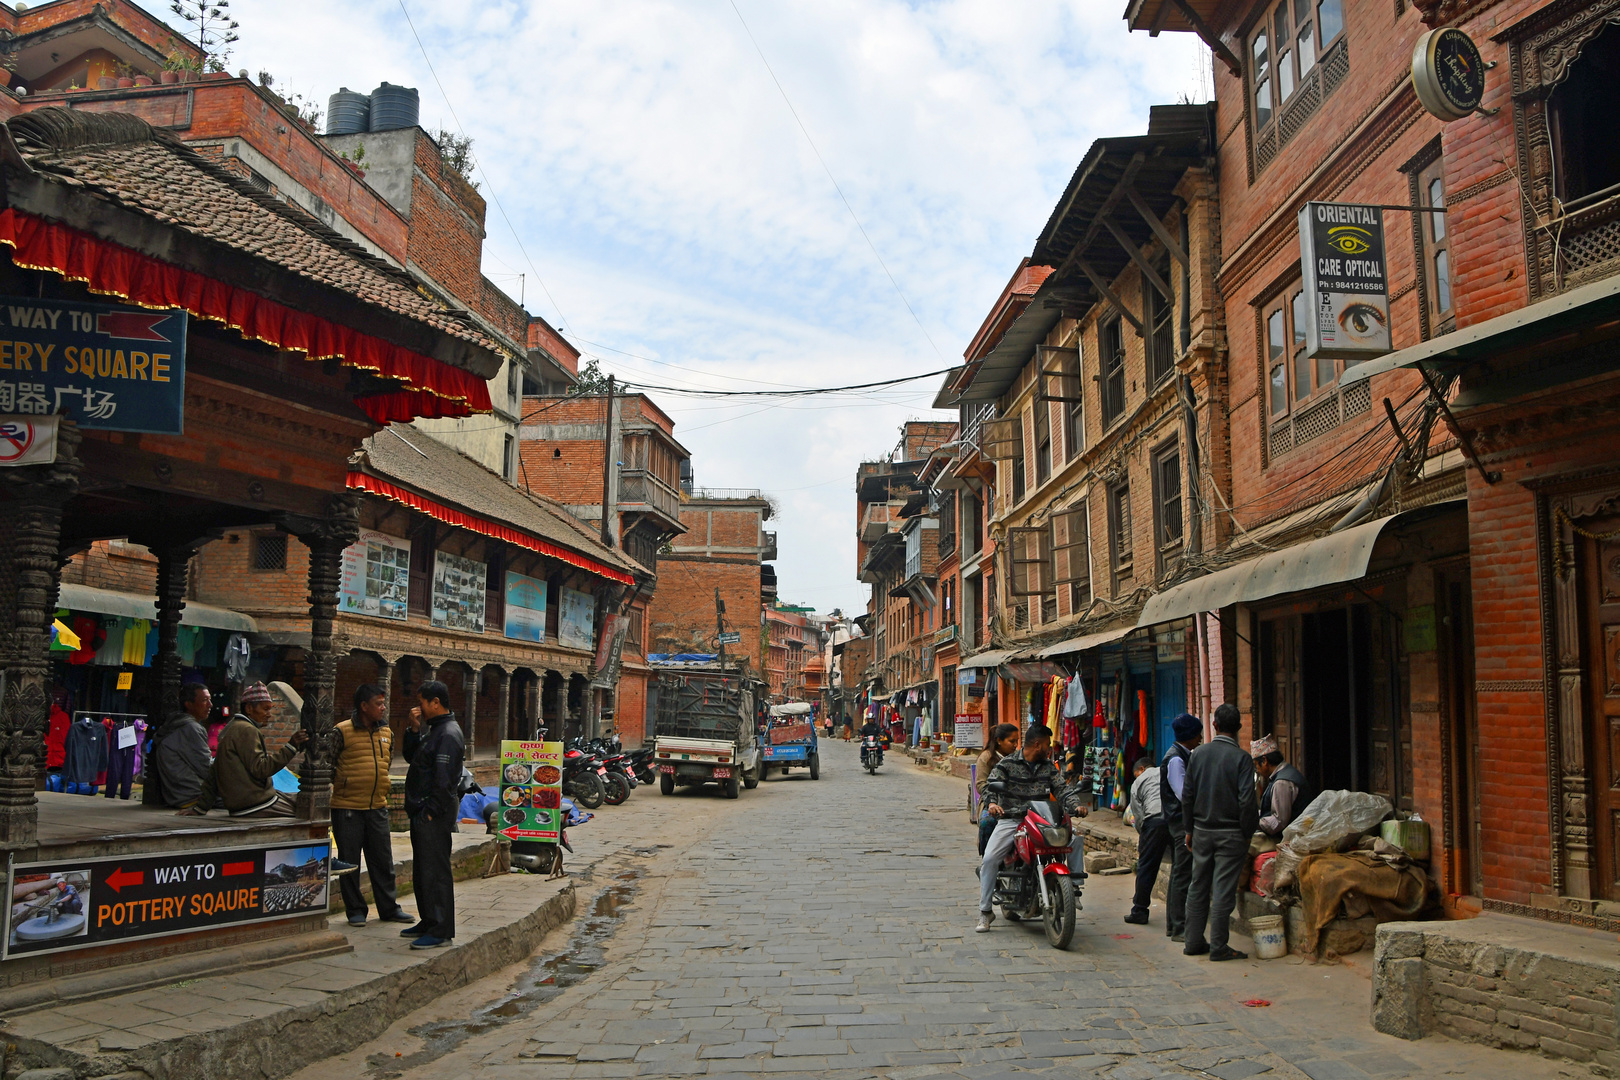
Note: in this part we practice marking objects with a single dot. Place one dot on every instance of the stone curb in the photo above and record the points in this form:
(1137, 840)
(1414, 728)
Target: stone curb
(281, 1044)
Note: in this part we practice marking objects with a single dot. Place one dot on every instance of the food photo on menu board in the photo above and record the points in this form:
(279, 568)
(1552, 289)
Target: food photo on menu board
(531, 790)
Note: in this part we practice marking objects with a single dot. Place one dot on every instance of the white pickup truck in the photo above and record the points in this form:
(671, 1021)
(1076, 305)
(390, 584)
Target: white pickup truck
(705, 731)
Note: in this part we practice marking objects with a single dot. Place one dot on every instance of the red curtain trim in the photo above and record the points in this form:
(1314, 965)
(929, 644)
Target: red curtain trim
(462, 519)
(433, 388)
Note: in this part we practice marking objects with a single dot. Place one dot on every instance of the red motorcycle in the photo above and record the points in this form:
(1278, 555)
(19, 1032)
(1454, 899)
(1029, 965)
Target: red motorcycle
(1034, 879)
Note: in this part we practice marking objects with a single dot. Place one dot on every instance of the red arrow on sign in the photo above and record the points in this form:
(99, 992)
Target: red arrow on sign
(130, 325)
(119, 878)
(237, 869)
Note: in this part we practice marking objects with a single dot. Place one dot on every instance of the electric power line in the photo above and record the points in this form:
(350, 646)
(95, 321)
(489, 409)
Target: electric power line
(807, 392)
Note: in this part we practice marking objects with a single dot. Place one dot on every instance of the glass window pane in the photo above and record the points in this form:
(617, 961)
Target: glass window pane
(1282, 22)
(1262, 103)
(1302, 375)
(1330, 17)
(1437, 197)
(1324, 371)
(1279, 390)
(1442, 281)
(1306, 49)
(1274, 335)
(1302, 10)
(1285, 76)
(1299, 320)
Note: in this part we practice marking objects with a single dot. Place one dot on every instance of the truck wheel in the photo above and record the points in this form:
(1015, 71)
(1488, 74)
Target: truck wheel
(815, 766)
(666, 783)
(751, 780)
(730, 788)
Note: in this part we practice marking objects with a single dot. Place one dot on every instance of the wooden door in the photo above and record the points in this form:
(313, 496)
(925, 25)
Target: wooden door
(1462, 742)
(1600, 663)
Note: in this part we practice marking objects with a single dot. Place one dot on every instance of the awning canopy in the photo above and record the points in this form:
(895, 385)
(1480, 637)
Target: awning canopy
(1333, 558)
(1085, 641)
(1539, 324)
(136, 606)
(992, 658)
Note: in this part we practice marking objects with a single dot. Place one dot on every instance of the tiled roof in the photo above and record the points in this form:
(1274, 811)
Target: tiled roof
(124, 160)
(417, 460)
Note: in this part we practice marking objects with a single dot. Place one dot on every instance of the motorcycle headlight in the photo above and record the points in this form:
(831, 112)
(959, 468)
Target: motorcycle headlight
(1055, 835)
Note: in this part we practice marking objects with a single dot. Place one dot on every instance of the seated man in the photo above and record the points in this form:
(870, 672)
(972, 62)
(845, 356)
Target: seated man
(180, 761)
(1029, 776)
(243, 768)
(1287, 793)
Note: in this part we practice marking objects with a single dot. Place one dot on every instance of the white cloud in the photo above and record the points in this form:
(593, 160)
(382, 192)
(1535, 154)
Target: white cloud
(673, 209)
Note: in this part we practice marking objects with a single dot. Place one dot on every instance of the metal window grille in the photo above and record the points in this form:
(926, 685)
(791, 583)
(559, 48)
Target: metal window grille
(270, 551)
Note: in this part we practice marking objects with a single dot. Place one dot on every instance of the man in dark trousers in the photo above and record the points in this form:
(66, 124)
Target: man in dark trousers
(362, 750)
(1151, 837)
(431, 802)
(1189, 732)
(1221, 814)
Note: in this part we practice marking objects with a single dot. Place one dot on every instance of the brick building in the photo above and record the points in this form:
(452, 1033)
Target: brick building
(562, 441)
(793, 641)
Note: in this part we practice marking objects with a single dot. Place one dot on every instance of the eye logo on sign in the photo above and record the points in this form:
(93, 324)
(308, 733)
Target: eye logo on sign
(1350, 239)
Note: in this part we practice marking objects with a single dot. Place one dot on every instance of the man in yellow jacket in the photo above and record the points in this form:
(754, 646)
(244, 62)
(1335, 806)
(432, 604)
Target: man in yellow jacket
(362, 748)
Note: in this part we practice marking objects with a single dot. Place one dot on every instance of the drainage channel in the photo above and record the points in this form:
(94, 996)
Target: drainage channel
(543, 982)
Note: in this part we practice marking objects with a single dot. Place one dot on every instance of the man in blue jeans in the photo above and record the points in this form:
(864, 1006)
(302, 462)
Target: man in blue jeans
(1221, 814)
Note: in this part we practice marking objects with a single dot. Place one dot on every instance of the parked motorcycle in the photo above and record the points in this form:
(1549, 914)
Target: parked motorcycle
(582, 778)
(617, 780)
(641, 765)
(871, 753)
(1034, 879)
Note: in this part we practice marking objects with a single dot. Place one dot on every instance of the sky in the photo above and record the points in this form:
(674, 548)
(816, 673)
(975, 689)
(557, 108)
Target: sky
(742, 194)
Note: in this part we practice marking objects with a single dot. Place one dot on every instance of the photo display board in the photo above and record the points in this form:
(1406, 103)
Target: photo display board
(376, 576)
(459, 592)
(576, 619)
(525, 608)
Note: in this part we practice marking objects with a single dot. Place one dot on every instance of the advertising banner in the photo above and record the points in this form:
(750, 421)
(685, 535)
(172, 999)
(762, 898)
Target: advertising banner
(525, 607)
(458, 592)
(76, 903)
(610, 650)
(1346, 283)
(969, 731)
(531, 791)
(576, 619)
(376, 576)
(104, 366)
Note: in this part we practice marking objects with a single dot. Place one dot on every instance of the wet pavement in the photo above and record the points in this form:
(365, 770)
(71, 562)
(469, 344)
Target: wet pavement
(825, 929)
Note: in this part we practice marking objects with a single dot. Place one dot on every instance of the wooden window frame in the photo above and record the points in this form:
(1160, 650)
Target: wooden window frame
(1112, 359)
(1306, 88)
(1071, 553)
(1043, 436)
(1029, 574)
(259, 541)
(1121, 548)
(1074, 410)
(1287, 302)
(1168, 547)
(1160, 339)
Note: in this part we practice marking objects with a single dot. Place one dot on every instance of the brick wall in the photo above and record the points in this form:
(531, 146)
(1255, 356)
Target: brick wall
(681, 615)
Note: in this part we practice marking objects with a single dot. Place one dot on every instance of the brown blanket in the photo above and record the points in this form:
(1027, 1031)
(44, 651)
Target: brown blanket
(1361, 882)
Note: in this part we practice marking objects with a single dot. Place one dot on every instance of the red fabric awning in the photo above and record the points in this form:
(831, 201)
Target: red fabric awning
(462, 519)
(431, 388)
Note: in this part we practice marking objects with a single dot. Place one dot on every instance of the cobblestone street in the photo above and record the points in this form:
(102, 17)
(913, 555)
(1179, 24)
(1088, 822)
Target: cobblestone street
(825, 929)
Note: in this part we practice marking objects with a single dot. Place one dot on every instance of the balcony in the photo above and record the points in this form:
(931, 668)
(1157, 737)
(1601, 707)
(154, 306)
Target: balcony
(642, 492)
(876, 521)
(768, 551)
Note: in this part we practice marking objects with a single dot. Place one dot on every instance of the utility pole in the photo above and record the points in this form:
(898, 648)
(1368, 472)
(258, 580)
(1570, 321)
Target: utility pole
(720, 625)
(607, 472)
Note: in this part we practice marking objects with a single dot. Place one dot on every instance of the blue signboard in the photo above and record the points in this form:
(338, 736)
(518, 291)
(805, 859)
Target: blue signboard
(105, 367)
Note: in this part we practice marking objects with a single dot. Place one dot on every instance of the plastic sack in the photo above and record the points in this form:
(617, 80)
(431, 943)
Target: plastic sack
(1332, 819)
(1264, 880)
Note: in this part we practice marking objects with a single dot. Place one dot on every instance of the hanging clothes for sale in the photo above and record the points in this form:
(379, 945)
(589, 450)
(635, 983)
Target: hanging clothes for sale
(1074, 698)
(111, 653)
(1141, 718)
(237, 655)
(86, 754)
(186, 640)
(91, 638)
(56, 738)
(135, 635)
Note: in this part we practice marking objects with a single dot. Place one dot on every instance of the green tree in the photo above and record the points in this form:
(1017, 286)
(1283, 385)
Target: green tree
(592, 380)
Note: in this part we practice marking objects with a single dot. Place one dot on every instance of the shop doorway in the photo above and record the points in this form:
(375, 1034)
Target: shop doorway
(1316, 682)
(1465, 873)
(1600, 662)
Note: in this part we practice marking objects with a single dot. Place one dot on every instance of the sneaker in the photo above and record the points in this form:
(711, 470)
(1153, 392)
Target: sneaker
(1137, 918)
(399, 916)
(357, 920)
(428, 941)
(413, 931)
(1195, 949)
(1226, 952)
(1179, 937)
(985, 919)
(339, 867)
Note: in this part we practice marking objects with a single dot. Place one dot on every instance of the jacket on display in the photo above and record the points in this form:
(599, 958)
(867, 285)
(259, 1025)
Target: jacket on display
(85, 751)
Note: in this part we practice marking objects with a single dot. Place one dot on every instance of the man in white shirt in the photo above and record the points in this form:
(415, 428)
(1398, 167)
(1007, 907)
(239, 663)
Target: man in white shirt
(1153, 836)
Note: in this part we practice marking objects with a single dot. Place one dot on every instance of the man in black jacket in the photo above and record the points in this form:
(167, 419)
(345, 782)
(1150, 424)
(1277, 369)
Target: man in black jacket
(1287, 793)
(1189, 731)
(1029, 775)
(1220, 812)
(431, 802)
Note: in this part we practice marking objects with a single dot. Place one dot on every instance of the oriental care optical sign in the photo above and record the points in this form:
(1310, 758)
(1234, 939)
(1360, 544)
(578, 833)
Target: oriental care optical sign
(79, 903)
(1346, 281)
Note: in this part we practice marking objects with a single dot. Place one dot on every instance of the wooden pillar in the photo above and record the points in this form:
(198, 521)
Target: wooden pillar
(174, 566)
(325, 538)
(503, 706)
(30, 578)
(469, 691)
(531, 707)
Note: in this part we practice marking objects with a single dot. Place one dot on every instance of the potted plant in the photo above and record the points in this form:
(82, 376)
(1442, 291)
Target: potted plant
(107, 82)
(143, 80)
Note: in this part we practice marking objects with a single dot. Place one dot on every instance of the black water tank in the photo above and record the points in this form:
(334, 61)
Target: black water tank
(348, 113)
(394, 107)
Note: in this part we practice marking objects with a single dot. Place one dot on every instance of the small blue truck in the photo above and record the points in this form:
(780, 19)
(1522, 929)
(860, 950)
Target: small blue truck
(789, 740)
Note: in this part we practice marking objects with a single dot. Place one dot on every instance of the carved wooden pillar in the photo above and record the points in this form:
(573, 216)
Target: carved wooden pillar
(503, 706)
(325, 538)
(30, 577)
(469, 717)
(174, 566)
(531, 709)
(1572, 875)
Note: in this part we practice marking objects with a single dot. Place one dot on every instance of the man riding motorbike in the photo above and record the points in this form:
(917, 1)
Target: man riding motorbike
(872, 730)
(1028, 775)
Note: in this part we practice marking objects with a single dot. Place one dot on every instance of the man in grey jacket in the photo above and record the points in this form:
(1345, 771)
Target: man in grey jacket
(180, 758)
(1220, 813)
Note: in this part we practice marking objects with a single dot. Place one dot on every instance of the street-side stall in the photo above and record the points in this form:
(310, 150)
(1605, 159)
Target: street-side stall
(184, 355)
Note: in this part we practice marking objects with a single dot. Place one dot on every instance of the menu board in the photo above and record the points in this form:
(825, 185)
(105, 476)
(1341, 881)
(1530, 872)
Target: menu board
(525, 607)
(458, 592)
(576, 619)
(531, 791)
(376, 576)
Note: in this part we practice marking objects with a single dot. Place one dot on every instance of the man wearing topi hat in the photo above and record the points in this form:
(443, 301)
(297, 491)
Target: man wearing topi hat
(243, 766)
(1286, 792)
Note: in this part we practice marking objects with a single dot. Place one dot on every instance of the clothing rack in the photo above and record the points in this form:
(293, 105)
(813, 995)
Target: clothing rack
(98, 715)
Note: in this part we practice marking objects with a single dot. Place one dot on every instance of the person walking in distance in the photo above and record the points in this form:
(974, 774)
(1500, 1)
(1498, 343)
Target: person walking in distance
(1189, 732)
(430, 801)
(363, 748)
(1221, 814)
